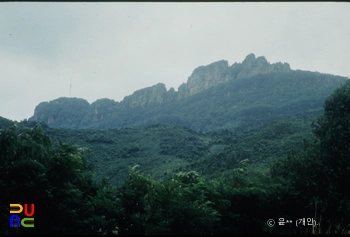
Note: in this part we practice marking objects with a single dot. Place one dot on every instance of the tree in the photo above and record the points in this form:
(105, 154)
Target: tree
(56, 178)
(319, 175)
(332, 130)
(177, 206)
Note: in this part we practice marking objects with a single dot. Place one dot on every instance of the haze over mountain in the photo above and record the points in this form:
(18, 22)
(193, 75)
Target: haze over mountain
(236, 144)
(216, 96)
(133, 119)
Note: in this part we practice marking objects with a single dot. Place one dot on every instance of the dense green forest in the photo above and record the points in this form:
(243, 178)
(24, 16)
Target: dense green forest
(219, 182)
(164, 150)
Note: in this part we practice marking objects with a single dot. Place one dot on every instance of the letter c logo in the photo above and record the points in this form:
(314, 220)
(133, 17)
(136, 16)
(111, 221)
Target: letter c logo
(29, 220)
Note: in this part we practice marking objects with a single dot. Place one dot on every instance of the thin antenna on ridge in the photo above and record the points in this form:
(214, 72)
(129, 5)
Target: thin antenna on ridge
(70, 88)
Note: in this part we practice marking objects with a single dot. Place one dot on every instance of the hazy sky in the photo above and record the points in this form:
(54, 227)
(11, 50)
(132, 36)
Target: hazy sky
(111, 49)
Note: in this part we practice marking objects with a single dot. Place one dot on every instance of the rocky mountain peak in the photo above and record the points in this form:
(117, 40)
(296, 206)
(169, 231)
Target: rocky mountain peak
(146, 96)
(218, 72)
(74, 111)
(204, 77)
(249, 60)
(61, 111)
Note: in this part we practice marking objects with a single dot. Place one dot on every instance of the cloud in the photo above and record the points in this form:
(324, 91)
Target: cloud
(111, 49)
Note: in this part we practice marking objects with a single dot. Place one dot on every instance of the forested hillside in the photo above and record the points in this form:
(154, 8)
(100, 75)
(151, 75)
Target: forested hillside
(234, 150)
(307, 185)
(5, 123)
(163, 150)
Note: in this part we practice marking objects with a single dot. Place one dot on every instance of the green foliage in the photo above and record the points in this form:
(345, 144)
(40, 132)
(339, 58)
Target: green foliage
(323, 165)
(218, 182)
(187, 204)
(173, 207)
(5, 123)
(332, 130)
(234, 192)
(165, 150)
(55, 177)
(185, 147)
(261, 146)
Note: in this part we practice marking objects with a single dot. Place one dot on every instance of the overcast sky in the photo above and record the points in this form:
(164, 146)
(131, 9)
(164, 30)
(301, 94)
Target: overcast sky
(111, 49)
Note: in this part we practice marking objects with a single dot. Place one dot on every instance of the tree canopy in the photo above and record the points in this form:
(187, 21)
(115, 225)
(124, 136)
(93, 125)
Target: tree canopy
(311, 182)
(54, 177)
(319, 175)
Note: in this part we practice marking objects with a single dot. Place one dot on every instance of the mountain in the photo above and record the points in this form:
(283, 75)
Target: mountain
(217, 96)
(5, 123)
(219, 72)
(61, 111)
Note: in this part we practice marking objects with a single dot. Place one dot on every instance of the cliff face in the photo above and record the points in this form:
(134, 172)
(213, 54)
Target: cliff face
(252, 66)
(202, 78)
(60, 112)
(101, 109)
(213, 74)
(146, 96)
(77, 113)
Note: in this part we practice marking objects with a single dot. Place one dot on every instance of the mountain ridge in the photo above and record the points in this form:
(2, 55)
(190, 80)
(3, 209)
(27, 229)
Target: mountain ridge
(156, 104)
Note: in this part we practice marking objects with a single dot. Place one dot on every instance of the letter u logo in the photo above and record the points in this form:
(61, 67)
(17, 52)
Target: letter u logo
(26, 210)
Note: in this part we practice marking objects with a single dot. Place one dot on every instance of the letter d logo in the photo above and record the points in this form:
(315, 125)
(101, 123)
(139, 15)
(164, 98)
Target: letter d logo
(16, 205)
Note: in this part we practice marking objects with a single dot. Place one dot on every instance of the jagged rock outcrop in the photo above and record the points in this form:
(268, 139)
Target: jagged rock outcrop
(215, 73)
(61, 111)
(252, 66)
(204, 77)
(150, 95)
(101, 109)
(99, 112)
(137, 109)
